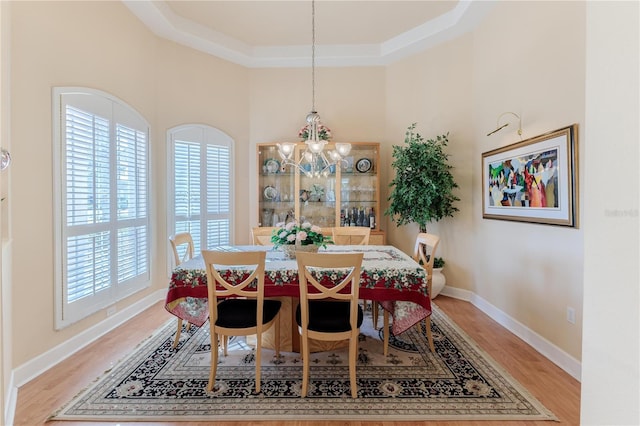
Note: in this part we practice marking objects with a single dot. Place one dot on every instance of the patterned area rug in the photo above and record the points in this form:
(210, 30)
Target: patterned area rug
(459, 382)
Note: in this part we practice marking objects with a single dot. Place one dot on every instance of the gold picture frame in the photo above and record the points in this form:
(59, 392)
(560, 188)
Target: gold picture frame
(534, 180)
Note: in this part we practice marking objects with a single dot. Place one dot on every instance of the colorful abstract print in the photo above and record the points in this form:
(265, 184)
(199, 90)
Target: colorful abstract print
(527, 181)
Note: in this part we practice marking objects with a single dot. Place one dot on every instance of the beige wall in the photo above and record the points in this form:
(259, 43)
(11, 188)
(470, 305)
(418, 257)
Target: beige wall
(611, 349)
(193, 87)
(5, 268)
(169, 85)
(433, 89)
(530, 272)
(74, 43)
(526, 57)
(48, 53)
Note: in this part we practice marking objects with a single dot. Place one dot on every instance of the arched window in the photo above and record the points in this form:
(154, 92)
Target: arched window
(200, 184)
(101, 187)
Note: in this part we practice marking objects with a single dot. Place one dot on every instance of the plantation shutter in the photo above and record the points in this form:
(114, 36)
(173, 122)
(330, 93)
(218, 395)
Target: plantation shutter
(88, 199)
(202, 185)
(187, 178)
(218, 195)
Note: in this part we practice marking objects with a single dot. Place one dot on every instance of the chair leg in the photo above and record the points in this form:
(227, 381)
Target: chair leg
(385, 332)
(214, 361)
(427, 324)
(301, 344)
(278, 336)
(353, 355)
(374, 314)
(178, 331)
(305, 367)
(258, 359)
(225, 345)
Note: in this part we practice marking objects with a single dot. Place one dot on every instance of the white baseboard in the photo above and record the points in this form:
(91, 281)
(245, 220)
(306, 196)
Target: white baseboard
(550, 351)
(47, 360)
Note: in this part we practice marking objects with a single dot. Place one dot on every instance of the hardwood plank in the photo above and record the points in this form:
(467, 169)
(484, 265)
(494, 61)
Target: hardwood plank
(556, 389)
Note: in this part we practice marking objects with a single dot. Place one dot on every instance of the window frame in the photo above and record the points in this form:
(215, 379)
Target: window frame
(120, 114)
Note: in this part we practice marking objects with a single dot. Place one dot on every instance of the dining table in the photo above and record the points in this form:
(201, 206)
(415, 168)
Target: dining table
(388, 276)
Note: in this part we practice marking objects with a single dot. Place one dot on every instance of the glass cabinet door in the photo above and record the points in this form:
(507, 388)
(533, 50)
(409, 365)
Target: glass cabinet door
(276, 188)
(359, 187)
(317, 199)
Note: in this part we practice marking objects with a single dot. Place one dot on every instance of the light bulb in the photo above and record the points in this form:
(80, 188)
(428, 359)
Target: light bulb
(335, 156)
(316, 146)
(343, 148)
(286, 149)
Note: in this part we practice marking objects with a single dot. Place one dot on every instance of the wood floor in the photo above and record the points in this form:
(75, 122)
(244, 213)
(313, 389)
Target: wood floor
(548, 383)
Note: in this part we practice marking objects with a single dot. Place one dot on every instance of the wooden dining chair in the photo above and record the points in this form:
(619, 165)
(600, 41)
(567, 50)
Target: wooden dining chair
(261, 235)
(336, 319)
(424, 252)
(182, 245)
(350, 235)
(356, 235)
(237, 307)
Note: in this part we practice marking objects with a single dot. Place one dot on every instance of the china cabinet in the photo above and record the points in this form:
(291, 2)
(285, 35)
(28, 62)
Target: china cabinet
(348, 196)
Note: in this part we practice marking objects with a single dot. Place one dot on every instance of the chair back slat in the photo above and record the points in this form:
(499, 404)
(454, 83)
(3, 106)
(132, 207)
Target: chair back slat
(424, 252)
(179, 242)
(241, 270)
(345, 287)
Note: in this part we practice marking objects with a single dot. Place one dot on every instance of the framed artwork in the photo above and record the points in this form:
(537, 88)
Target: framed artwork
(533, 180)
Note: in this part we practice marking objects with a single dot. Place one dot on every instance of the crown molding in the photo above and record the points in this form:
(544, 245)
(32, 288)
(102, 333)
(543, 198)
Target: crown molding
(163, 22)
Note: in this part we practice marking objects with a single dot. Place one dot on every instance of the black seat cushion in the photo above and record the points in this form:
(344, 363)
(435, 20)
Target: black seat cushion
(329, 316)
(241, 313)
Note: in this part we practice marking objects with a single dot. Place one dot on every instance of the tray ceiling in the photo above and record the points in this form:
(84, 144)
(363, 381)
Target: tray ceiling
(278, 33)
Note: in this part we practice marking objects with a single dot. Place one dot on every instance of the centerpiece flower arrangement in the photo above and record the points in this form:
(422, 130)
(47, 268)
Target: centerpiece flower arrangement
(324, 133)
(295, 236)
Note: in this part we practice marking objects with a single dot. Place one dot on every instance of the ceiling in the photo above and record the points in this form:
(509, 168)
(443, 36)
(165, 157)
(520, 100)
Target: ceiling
(266, 33)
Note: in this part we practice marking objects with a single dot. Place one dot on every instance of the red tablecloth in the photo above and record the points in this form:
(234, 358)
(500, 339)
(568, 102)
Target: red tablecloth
(388, 275)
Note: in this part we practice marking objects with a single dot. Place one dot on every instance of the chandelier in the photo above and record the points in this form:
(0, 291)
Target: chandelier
(314, 161)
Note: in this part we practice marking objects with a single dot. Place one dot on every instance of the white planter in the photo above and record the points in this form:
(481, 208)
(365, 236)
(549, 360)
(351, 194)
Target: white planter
(438, 281)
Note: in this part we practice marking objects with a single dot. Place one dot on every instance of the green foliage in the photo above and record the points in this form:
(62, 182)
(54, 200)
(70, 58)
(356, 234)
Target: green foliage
(423, 185)
(438, 262)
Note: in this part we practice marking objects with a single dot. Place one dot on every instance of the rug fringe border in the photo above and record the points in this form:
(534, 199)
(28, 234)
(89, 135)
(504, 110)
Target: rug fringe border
(211, 418)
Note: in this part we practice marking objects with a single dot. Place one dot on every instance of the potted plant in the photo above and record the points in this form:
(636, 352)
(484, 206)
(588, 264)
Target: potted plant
(438, 280)
(423, 186)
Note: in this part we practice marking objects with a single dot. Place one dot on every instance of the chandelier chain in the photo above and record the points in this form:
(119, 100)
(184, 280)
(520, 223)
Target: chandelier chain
(313, 161)
(313, 55)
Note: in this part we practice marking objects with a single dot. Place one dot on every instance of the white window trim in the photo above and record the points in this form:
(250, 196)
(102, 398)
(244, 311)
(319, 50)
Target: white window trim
(118, 292)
